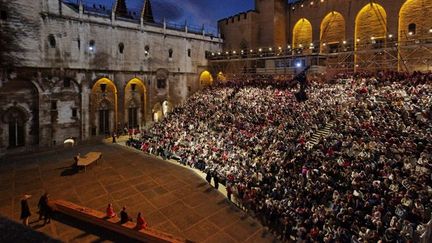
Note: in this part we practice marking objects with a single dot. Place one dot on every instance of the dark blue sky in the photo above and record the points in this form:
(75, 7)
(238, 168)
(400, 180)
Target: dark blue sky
(195, 12)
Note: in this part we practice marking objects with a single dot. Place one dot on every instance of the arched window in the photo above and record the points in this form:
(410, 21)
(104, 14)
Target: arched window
(121, 47)
(146, 50)
(52, 41)
(92, 45)
(170, 53)
(412, 29)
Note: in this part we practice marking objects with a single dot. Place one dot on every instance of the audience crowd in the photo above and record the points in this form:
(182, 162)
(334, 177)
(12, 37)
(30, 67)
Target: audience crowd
(368, 179)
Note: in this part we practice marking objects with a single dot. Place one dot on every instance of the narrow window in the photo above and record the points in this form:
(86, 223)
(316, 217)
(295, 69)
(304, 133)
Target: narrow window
(121, 47)
(52, 41)
(189, 52)
(92, 45)
(54, 105)
(79, 43)
(170, 53)
(74, 112)
(412, 29)
(146, 50)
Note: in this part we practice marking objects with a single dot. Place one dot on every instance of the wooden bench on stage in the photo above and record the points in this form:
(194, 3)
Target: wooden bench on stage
(88, 159)
(99, 219)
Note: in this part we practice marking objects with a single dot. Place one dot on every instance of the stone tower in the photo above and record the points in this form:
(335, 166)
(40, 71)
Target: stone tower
(121, 9)
(271, 23)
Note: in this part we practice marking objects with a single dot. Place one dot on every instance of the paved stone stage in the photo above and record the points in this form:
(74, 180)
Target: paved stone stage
(172, 198)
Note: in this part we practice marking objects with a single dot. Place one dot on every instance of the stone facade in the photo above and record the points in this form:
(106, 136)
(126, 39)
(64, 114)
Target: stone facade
(87, 73)
(400, 28)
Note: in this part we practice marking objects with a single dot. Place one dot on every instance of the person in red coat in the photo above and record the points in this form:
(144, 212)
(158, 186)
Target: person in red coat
(110, 211)
(141, 223)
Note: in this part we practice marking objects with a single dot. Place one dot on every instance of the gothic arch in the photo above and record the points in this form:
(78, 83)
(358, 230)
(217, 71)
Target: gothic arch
(103, 107)
(205, 78)
(332, 31)
(135, 103)
(302, 34)
(370, 33)
(415, 23)
(16, 119)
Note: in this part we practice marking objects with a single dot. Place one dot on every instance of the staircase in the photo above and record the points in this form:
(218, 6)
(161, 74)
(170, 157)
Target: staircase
(321, 134)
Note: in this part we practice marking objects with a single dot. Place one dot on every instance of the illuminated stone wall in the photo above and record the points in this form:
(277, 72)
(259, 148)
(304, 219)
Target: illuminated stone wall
(68, 51)
(332, 30)
(417, 14)
(302, 35)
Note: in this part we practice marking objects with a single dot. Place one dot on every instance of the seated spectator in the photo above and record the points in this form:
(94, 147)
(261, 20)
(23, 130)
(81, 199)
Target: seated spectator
(110, 211)
(141, 223)
(124, 217)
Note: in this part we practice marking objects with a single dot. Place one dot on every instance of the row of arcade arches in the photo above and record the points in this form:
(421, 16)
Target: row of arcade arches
(104, 103)
(206, 78)
(370, 29)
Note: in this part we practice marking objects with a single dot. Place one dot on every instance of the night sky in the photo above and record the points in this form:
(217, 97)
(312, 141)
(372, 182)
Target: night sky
(195, 12)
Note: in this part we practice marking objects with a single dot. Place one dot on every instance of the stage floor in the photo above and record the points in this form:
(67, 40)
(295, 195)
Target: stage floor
(171, 198)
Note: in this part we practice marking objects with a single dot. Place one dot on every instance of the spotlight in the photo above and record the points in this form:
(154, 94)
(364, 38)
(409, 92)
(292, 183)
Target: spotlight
(344, 42)
(219, 53)
(212, 53)
(358, 40)
(270, 49)
(251, 50)
(289, 46)
(390, 36)
(280, 48)
(324, 44)
(293, 8)
(227, 53)
(260, 50)
(410, 33)
(372, 38)
(300, 45)
(234, 52)
(430, 30)
(298, 64)
(302, 5)
(311, 3)
(91, 48)
(322, 1)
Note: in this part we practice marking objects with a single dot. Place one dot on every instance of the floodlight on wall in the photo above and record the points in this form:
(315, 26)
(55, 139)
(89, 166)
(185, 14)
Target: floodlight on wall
(324, 44)
(260, 50)
(293, 8)
(302, 5)
(322, 1)
(430, 30)
(410, 33)
(280, 48)
(219, 53)
(358, 40)
(213, 54)
(298, 64)
(270, 49)
(251, 50)
(289, 46)
(300, 45)
(311, 3)
(234, 52)
(227, 52)
(344, 42)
